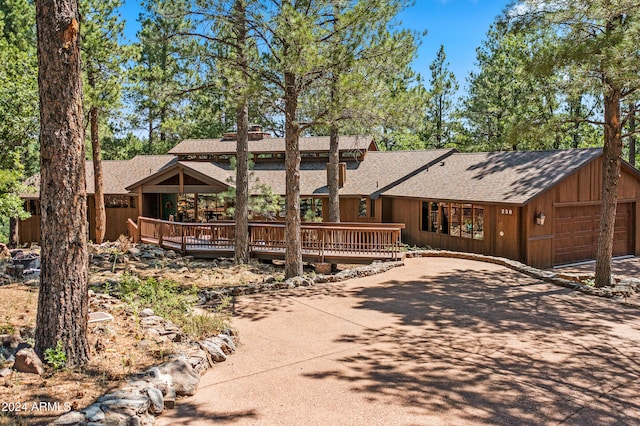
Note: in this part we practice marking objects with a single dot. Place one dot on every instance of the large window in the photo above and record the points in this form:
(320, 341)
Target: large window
(362, 207)
(455, 219)
(119, 202)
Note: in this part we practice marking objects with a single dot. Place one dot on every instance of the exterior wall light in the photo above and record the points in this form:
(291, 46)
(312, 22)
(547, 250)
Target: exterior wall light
(540, 217)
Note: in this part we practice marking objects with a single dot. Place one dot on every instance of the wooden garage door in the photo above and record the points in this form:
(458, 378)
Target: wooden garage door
(576, 233)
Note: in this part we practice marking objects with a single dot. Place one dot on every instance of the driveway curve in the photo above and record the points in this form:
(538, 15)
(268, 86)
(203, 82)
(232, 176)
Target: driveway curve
(438, 341)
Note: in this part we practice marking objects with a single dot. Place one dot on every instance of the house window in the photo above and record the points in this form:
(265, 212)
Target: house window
(362, 207)
(119, 202)
(478, 223)
(467, 221)
(444, 218)
(33, 207)
(425, 216)
(311, 209)
(455, 219)
(434, 218)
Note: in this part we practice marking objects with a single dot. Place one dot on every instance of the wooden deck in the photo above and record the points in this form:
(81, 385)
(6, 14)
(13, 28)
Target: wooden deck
(321, 242)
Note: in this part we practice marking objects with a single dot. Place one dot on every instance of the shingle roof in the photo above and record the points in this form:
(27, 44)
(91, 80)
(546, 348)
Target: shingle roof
(268, 145)
(500, 177)
(384, 168)
(116, 174)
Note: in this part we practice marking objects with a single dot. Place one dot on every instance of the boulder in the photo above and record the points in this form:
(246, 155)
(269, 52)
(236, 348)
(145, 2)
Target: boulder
(124, 401)
(185, 379)
(156, 401)
(216, 353)
(28, 362)
(93, 413)
(148, 312)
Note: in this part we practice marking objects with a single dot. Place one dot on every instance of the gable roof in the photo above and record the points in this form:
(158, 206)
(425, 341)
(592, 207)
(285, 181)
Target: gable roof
(495, 177)
(270, 145)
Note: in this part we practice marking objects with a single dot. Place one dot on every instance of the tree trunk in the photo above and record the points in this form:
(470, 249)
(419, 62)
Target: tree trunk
(632, 138)
(13, 232)
(98, 197)
(333, 175)
(63, 295)
(293, 247)
(242, 141)
(242, 185)
(150, 132)
(611, 154)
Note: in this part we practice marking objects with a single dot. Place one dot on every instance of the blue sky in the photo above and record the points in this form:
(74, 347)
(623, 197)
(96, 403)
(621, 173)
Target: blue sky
(459, 25)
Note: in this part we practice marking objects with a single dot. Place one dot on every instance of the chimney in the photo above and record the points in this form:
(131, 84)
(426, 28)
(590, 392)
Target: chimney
(342, 174)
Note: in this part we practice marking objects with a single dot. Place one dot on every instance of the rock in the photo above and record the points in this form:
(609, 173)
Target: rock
(11, 341)
(5, 372)
(148, 312)
(157, 401)
(185, 379)
(154, 375)
(115, 418)
(28, 362)
(147, 256)
(227, 338)
(93, 413)
(4, 251)
(71, 418)
(217, 355)
(121, 400)
(134, 251)
(222, 344)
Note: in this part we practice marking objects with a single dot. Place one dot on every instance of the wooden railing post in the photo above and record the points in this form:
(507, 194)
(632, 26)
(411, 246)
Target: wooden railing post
(183, 242)
(160, 229)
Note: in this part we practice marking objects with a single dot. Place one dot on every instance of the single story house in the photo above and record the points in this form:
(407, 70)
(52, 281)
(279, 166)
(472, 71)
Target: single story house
(538, 207)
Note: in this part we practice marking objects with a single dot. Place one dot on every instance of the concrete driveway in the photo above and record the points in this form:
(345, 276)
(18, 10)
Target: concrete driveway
(439, 341)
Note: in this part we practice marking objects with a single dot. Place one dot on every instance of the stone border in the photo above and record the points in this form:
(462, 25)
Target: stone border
(624, 287)
(271, 284)
(145, 396)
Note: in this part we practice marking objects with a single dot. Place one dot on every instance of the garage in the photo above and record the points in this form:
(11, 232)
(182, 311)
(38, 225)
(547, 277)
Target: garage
(576, 232)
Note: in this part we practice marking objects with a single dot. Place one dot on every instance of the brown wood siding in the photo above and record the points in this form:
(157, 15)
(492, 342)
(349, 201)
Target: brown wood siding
(580, 190)
(29, 230)
(409, 212)
(349, 210)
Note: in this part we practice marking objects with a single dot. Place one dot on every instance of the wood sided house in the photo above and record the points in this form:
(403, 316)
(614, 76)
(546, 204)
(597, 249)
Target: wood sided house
(538, 207)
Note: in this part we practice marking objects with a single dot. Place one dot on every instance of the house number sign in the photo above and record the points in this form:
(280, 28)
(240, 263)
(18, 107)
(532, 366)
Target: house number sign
(506, 211)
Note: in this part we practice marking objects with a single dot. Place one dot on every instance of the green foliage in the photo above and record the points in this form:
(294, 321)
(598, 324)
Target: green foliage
(165, 297)
(171, 301)
(10, 203)
(263, 202)
(440, 124)
(19, 95)
(203, 325)
(512, 105)
(163, 69)
(56, 357)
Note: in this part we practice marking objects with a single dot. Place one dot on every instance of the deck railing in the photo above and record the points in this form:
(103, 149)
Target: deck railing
(320, 241)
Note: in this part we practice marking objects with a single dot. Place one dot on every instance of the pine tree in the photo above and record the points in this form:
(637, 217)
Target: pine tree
(441, 102)
(63, 298)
